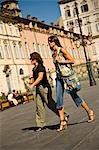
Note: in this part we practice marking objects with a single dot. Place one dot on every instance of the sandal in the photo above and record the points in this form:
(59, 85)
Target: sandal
(91, 116)
(63, 125)
(66, 119)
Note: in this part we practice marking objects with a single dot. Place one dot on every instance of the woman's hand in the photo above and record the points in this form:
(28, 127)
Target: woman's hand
(57, 58)
(37, 81)
(31, 87)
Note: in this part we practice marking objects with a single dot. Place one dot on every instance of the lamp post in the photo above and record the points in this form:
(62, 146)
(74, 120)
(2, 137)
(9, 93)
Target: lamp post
(88, 64)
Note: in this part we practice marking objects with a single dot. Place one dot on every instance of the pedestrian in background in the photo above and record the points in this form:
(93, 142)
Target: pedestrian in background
(11, 97)
(97, 66)
(57, 51)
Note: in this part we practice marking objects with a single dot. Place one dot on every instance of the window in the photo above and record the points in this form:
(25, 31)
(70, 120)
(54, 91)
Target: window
(7, 51)
(89, 29)
(70, 51)
(17, 31)
(94, 49)
(49, 51)
(86, 20)
(97, 27)
(84, 8)
(74, 12)
(1, 52)
(21, 50)
(27, 50)
(75, 53)
(70, 23)
(76, 22)
(40, 50)
(21, 71)
(11, 29)
(34, 47)
(96, 17)
(96, 3)
(1, 28)
(67, 13)
(7, 6)
(43, 51)
(16, 51)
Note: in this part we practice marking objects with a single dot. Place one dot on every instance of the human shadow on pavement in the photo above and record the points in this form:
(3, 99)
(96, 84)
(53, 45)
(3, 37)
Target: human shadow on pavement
(30, 128)
(52, 127)
(71, 124)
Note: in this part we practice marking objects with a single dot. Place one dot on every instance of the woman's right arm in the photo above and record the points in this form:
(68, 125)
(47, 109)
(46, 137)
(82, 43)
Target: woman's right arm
(68, 57)
(37, 81)
(40, 77)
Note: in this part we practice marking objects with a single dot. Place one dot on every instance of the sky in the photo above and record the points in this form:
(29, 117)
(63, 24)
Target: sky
(47, 10)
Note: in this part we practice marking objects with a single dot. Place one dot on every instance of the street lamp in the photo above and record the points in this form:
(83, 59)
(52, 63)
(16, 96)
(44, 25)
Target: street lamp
(88, 64)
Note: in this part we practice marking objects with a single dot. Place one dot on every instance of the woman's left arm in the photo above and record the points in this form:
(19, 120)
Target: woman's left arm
(69, 58)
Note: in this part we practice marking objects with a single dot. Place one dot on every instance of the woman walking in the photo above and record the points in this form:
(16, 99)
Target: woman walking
(43, 90)
(57, 52)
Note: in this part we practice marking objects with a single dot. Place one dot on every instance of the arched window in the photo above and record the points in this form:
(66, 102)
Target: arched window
(15, 49)
(21, 71)
(95, 4)
(1, 52)
(7, 49)
(84, 6)
(67, 12)
(34, 47)
(21, 52)
(97, 27)
(27, 50)
(74, 12)
(1, 27)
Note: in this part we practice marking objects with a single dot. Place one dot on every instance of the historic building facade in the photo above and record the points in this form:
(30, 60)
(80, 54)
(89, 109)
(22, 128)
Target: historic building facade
(20, 36)
(11, 57)
(89, 19)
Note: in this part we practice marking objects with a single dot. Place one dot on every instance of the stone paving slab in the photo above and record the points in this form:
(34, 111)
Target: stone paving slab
(17, 126)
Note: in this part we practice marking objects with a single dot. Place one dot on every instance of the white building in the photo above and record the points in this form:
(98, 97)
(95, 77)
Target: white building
(89, 19)
(11, 54)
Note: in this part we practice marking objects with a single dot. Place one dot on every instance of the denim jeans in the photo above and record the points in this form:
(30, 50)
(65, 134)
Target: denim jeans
(60, 94)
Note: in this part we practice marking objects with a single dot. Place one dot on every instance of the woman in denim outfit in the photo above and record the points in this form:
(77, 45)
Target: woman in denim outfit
(55, 46)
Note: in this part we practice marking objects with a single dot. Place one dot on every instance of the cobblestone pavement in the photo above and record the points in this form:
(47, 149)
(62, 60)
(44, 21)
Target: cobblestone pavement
(17, 126)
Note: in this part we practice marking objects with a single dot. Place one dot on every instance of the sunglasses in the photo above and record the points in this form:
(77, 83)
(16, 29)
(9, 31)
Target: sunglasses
(50, 41)
(31, 59)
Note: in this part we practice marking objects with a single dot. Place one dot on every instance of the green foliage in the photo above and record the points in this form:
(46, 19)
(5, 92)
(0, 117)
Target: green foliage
(3, 98)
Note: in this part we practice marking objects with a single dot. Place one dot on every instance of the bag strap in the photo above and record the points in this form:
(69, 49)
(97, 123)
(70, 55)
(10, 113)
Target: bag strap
(59, 48)
(57, 67)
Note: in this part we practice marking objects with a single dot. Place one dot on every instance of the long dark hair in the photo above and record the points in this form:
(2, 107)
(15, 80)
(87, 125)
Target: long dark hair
(36, 56)
(54, 39)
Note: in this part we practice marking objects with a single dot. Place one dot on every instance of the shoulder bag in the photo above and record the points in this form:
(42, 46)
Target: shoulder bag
(68, 75)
